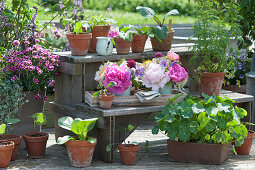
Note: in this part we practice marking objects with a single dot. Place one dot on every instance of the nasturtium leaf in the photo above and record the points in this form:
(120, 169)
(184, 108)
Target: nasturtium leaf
(221, 122)
(193, 127)
(108, 148)
(169, 118)
(65, 122)
(74, 126)
(233, 123)
(240, 112)
(224, 107)
(198, 108)
(62, 140)
(212, 110)
(92, 140)
(211, 126)
(184, 134)
(177, 96)
(171, 134)
(172, 12)
(204, 121)
(200, 116)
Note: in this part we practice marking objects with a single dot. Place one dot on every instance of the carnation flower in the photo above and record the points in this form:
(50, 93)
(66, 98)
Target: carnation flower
(36, 81)
(14, 78)
(177, 73)
(131, 63)
(16, 42)
(118, 74)
(45, 98)
(37, 96)
(158, 54)
(173, 56)
(155, 77)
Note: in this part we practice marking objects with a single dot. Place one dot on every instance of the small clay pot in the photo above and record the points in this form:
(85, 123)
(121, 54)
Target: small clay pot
(138, 43)
(36, 143)
(16, 139)
(80, 152)
(245, 148)
(79, 44)
(106, 100)
(163, 45)
(6, 148)
(128, 153)
(122, 46)
(211, 83)
(98, 31)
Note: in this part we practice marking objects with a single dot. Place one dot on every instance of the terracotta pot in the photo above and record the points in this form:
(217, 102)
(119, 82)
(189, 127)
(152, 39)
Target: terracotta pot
(198, 152)
(122, 46)
(36, 143)
(80, 152)
(211, 83)
(163, 45)
(79, 44)
(128, 153)
(236, 88)
(14, 138)
(138, 43)
(98, 31)
(245, 148)
(106, 100)
(6, 148)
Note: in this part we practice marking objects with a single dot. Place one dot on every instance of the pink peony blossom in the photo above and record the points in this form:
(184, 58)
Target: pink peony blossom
(173, 56)
(120, 75)
(177, 73)
(155, 77)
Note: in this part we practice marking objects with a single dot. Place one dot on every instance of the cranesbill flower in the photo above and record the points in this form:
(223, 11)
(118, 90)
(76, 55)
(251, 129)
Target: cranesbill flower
(177, 73)
(131, 63)
(45, 98)
(138, 71)
(51, 84)
(16, 42)
(37, 96)
(163, 63)
(158, 54)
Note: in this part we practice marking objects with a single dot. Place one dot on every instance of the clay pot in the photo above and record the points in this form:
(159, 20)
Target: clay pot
(128, 153)
(98, 31)
(138, 43)
(79, 44)
(106, 100)
(163, 45)
(198, 152)
(245, 148)
(6, 148)
(236, 88)
(80, 152)
(16, 139)
(122, 46)
(36, 143)
(211, 83)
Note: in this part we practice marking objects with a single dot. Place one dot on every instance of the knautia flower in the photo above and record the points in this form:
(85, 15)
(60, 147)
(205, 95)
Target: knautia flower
(177, 73)
(14, 78)
(155, 77)
(35, 80)
(173, 56)
(45, 98)
(120, 75)
(37, 96)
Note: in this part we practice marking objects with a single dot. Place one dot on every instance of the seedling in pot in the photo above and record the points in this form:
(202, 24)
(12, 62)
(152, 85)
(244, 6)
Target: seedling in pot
(39, 120)
(104, 90)
(142, 30)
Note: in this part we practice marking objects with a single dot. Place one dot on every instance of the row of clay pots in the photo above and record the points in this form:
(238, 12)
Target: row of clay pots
(35, 145)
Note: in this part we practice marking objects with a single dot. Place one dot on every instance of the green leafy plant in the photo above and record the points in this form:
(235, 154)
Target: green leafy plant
(78, 126)
(2, 128)
(123, 32)
(104, 90)
(39, 120)
(160, 31)
(142, 30)
(213, 120)
(100, 20)
(76, 27)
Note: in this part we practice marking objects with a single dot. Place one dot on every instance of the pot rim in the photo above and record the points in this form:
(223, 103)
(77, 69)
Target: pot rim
(209, 144)
(131, 148)
(81, 142)
(28, 134)
(104, 38)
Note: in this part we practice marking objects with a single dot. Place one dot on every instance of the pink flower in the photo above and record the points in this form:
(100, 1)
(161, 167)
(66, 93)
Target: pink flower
(37, 96)
(173, 56)
(131, 63)
(45, 98)
(36, 81)
(16, 42)
(27, 42)
(39, 71)
(158, 54)
(177, 73)
(51, 84)
(119, 75)
(14, 78)
(113, 34)
(37, 40)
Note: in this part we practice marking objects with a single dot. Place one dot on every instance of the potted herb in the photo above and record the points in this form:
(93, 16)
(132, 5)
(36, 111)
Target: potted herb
(78, 40)
(81, 148)
(245, 148)
(100, 27)
(139, 39)
(161, 36)
(201, 130)
(214, 29)
(36, 141)
(105, 99)
(6, 148)
(123, 40)
(128, 151)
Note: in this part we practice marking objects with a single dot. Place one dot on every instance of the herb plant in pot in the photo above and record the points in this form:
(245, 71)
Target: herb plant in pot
(36, 141)
(123, 40)
(200, 130)
(6, 148)
(161, 36)
(80, 149)
(245, 148)
(214, 29)
(139, 39)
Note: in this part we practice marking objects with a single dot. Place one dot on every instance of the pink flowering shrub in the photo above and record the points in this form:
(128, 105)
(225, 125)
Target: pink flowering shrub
(177, 73)
(34, 68)
(118, 74)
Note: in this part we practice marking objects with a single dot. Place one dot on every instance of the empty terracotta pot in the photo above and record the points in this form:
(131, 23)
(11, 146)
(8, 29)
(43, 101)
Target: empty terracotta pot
(80, 152)
(98, 31)
(211, 83)
(245, 148)
(128, 153)
(16, 139)
(105, 101)
(36, 143)
(79, 44)
(122, 46)
(138, 43)
(6, 148)
(163, 45)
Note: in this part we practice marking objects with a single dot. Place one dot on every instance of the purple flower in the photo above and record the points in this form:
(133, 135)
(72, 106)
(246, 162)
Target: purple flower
(37, 40)
(241, 76)
(39, 71)
(138, 71)
(37, 96)
(61, 6)
(163, 63)
(131, 63)
(14, 78)
(36, 81)
(51, 84)
(158, 54)
(75, 2)
(240, 66)
(16, 42)
(74, 12)
(45, 98)
(27, 42)
(80, 3)
(55, 31)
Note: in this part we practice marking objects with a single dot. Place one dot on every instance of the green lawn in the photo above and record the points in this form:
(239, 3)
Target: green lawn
(130, 17)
